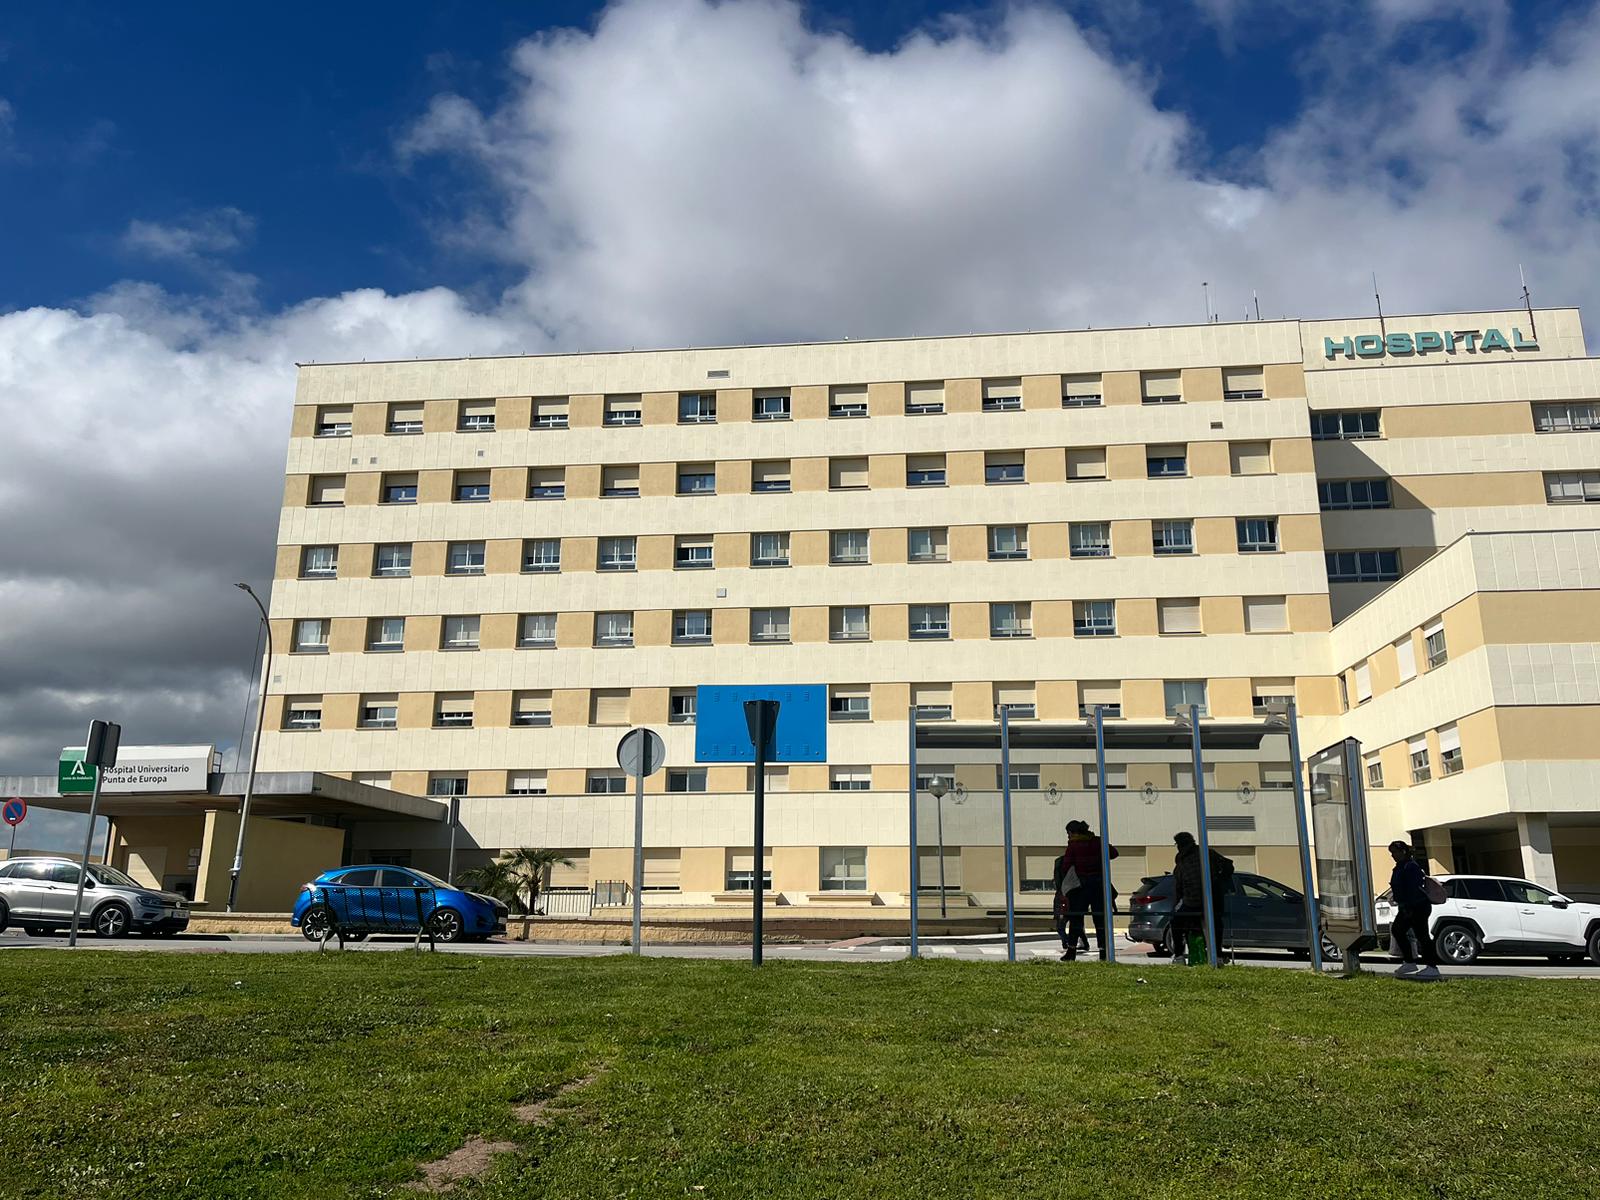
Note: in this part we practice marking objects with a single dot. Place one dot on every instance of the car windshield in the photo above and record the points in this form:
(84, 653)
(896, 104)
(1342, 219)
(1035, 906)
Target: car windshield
(433, 879)
(112, 876)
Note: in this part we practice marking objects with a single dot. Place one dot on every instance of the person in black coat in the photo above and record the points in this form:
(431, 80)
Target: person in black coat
(1413, 909)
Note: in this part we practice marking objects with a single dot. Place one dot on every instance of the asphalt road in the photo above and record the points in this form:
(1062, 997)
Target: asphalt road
(859, 951)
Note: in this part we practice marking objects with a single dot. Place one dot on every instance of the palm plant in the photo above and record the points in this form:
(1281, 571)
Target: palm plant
(530, 867)
(494, 878)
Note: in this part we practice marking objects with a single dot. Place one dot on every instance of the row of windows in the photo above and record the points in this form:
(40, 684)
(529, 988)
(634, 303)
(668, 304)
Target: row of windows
(848, 401)
(1354, 425)
(1435, 650)
(1419, 759)
(846, 623)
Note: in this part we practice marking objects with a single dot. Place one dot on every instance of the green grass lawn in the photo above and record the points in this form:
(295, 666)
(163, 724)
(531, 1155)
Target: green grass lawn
(127, 1075)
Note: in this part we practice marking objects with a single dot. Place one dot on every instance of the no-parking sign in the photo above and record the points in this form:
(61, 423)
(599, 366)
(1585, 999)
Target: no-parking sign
(14, 811)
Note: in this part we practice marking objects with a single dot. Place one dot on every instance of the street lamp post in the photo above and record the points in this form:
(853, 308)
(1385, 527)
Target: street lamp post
(255, 751)
(937, 787)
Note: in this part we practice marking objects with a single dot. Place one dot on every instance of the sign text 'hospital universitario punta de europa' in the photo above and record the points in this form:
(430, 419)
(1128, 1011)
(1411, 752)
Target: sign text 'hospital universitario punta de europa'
(139, 768)
(1447, 341)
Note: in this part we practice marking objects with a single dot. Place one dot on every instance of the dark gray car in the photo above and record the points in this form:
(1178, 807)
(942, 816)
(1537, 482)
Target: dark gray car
(1259, 913)
(38, 894)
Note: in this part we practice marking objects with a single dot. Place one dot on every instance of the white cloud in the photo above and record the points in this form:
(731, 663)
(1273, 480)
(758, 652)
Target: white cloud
(218, 231)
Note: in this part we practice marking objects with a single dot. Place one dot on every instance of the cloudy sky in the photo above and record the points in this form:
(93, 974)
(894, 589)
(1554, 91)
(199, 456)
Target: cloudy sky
(192, 199)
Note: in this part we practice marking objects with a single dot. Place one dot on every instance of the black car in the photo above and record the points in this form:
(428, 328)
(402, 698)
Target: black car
(1259, 913)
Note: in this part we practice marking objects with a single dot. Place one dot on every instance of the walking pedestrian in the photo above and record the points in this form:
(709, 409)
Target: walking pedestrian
(1188, 895)
(1080, 890)
(1409, 931)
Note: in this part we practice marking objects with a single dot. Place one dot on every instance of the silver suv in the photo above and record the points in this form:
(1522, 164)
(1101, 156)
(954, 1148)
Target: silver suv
(37, 893)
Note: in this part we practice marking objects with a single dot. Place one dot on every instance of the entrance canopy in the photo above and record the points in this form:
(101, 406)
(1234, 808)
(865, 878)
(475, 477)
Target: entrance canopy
(276, 794)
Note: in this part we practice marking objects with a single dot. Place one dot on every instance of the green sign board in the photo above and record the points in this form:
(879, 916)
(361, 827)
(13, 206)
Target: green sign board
(73, 777)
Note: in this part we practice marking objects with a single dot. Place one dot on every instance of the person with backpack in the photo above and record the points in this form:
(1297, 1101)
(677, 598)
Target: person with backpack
(1408, 884)
(1188, 895)
(1080, 890)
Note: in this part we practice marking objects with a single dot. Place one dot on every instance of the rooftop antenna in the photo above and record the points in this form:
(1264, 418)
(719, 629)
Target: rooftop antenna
(1205, 289)
(1256, 300)
(1382, 328)
(1528, 300)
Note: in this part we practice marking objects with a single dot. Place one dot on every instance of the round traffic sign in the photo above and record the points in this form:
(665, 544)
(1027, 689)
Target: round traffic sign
(14, 811)
(641, 752)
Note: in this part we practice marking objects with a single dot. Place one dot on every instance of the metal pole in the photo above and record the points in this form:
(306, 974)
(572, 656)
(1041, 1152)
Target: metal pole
(1209, 901)
(938, 809)
(1313, 925)
(638, 854)
(83, 869)
(916, 874)
(455, 821)
(255, 753)
(1005, 820)
(759, 891)
(1110, 946)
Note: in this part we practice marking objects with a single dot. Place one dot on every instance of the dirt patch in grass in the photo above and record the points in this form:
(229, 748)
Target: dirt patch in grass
(471, 1161)
(537, 1112)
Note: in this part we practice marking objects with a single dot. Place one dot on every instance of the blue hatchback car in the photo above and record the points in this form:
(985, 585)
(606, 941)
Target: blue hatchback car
(382, 899)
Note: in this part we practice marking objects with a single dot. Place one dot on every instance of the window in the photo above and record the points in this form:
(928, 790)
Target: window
(1160, 387)
(1004, 466)
(619, 554)
(772, 476)
(1107, 696)
(392, 560)
(848, 623)
(1363, 566)
(1172, 537)
(547, 483)
(741, 871)
(386, 633)
(1374, 765)
(1572, 487)
(692, 552)
(619, 481)
(530, 710)
(1024, 778)
(311, 635)
(1002, 395)
(933, 703)
(550, 413)
(770, 406)
(697, 408)
(1344, 692)
(1011, 620)
(399, 488)
(1565, 418)
(464, 558)
(925, 470)
(769, 549)
(1405, 659)
(691, 627)
(404, 419)
(527, 783)
(929, 622)
(1089, 463)
(681, 706)
(608, 706)
(380, 712)
(1363, 673)
(605, 783)
(476, 416)
(849, 703)
(452, 710)
(844, 868)
(1179, 694)
(1433, 640)
(847, 547)
(1090, 539)
(1250, 458)
(686, 779)
(319, 562)
(1163, 462)
(1344, 426)
(1036, 868)
(1417, 749)
(1017, 699)
(541, 556)
(536, 630)
(1178, 615)
(847, 474)
(1450, 762)
(443, 785)
(1007, 542)
(1183, 781)
(849, 779)
(924, 399)
(459, 633)
(697, 479)
(847, 402)
(1116, 777)
(613, 629)
(303, 713)
(928, 545)
(1269, 696)
(1257, 535)
(1081, 391)
(333, 421)
(769, 624)
(623, 410)
(1243, 383)
(1094, 618)
(472, 487)
(1338, 495)
(327, 491)
(1266, 614)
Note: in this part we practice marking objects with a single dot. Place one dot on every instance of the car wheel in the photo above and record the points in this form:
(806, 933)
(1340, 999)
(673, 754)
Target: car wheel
(1457, 944)
(316, 923)
(1168, 944)
(5, 916)
(34, 930)
(445, 925)
(1594, 946)
(1330, 950)
(112, 920)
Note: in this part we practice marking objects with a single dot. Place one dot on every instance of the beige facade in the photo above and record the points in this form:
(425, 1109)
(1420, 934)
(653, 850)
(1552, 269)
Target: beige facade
(489, 568)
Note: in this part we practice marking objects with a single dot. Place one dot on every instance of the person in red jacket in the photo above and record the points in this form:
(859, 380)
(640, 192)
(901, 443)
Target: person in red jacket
(1080, 890)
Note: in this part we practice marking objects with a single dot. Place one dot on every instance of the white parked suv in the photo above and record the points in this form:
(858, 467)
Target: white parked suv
(1493, 914)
